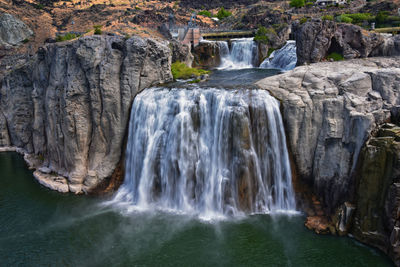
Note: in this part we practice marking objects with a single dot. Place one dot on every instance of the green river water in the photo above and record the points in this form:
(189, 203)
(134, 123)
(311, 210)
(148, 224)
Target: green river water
(39, 227)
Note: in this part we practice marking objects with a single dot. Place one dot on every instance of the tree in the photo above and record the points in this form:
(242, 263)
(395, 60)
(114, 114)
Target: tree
(297, 3)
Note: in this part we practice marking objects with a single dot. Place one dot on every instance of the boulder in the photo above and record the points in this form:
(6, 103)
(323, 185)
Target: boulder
(207, 55)
(13, 31)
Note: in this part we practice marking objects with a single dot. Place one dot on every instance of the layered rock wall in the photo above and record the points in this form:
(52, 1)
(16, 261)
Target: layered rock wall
(70, 106)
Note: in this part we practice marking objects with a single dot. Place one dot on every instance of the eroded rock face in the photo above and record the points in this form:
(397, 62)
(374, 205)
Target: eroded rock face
(377, 218)
(390, 47)
(12, 30)
(71, 106)
(316, 39)
(330, 110)
(207, 55)
(181, 52)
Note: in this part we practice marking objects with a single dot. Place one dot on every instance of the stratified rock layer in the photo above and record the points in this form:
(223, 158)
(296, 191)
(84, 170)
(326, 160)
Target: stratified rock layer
(70, 107)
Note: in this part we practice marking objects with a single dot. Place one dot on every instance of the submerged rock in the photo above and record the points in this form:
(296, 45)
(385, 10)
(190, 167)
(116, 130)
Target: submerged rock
(71, 105)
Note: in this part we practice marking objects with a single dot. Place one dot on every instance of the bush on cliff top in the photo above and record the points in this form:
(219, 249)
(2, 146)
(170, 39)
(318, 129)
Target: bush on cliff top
(205, 13)
(222, 13)
(261, 35)
(297, 3)
(181, 71)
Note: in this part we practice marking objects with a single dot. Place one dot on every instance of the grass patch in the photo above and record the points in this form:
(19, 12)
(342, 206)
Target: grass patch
(335, 56)
(181, 71)
(327, 17)
(66, 37)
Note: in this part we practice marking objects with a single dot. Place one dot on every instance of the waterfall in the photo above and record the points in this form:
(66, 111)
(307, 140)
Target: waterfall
(242, 54)
(283, 59)
(209, 152)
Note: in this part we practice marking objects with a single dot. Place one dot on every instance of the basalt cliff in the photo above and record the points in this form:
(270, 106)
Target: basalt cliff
(333, 113)
(68, 109)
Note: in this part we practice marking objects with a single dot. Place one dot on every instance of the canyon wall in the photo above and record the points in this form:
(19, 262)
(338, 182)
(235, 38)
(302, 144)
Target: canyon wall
(330, 110)
(68, 110)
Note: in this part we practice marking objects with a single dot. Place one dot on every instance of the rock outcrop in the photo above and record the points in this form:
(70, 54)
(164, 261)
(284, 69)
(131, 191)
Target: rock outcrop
(207, 55)
(377, 217)
(317, 38)
(181, 52)
(12, 30)
(389, 48)
(70, 107)
(330, 110)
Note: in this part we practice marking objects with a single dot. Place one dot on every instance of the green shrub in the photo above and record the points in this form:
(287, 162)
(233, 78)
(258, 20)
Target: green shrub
(344, 18)
(66, 37)
(381, 17)
(181, 71)
(261, 35)
(222, 13)
(39, 6)
(303, 20)
(327, 17)
(97, 29)
(335, 56)
(297, 3)
(205, 13)
(360, 17)
(26, 40)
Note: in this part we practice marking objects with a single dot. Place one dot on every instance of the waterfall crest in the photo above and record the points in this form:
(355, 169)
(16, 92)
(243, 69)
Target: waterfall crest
(283, 59)
(243, 54)
(206, 151)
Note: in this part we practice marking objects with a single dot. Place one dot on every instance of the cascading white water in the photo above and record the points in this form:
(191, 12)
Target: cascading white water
(283, 59)
(210, 152)
(242, 54)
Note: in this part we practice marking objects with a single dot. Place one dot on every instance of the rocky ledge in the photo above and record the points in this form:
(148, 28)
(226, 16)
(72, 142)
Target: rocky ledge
(330, 111)
(68, 109)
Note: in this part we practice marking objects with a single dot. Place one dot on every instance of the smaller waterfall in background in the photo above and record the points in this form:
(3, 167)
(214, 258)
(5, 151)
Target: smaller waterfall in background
(242, 55)
(283, 59)
(209, 152)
